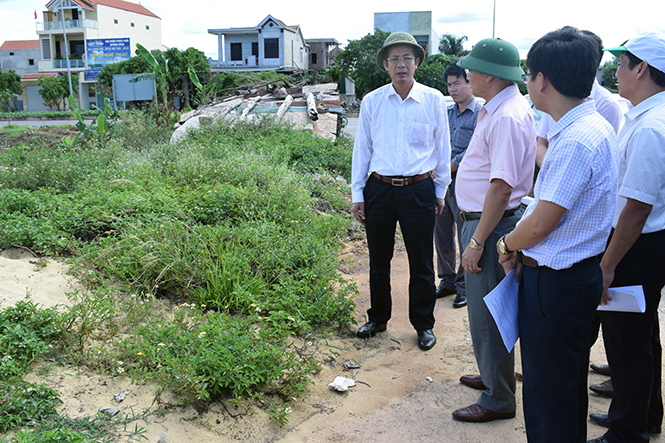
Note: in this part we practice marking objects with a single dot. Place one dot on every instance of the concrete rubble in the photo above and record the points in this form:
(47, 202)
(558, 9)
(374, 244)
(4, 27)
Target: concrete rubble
(315, 108)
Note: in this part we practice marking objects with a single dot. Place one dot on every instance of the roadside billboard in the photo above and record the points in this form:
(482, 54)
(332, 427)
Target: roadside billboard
(105, 51)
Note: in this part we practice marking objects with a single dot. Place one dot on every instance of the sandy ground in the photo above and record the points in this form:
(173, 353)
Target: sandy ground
(393, 400)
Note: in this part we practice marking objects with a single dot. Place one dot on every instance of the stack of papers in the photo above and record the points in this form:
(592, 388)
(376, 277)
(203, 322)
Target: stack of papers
(502, 304)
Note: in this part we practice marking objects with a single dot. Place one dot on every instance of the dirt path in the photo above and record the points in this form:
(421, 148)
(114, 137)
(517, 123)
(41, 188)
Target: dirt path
(393, 400)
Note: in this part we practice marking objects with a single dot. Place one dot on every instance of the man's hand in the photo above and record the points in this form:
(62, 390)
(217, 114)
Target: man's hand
(440, 204)
(470, 259)
(509, 261)
(608, 277)
(358, 210)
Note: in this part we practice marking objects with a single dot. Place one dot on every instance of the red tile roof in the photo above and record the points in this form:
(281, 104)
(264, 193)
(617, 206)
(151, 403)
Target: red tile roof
(125, 6)
(20, 44)
(117, 4)
(81, 3)
(39, 74)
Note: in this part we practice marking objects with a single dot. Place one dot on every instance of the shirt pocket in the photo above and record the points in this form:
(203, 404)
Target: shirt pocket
(420, 135)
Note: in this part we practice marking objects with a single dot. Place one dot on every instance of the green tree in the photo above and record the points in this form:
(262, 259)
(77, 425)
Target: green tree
(55, 90)
(430, 72)
(10, 84)
(450, 44)
(358, 61)
(609, 74)
(174, 63)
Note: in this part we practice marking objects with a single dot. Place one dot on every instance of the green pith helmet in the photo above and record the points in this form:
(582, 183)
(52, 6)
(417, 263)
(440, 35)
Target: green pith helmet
(495, 57)
(399, 38)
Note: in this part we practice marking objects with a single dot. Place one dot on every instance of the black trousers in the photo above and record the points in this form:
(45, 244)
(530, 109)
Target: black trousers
(556, 309)
(414, 207)
(632, 343)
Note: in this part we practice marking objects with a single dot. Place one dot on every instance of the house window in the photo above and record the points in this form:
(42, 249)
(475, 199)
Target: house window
(115, 21)
(147, 28)
(314, 58)
(271, 47)
(76, 48)
(236, 51)
(11, 53)
(45, 44)
(132, 25)
(31, 61)
(255, 49)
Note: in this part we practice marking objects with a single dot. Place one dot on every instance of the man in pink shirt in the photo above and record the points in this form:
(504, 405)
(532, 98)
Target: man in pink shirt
(496, 172)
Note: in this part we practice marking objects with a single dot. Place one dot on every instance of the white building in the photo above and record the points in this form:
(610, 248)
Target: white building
(270, 45)
(67, 27)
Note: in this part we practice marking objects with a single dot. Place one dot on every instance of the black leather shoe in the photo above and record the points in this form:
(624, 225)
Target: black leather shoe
(426, 339)
(600, 419)
(460, 301)
(604, 420)
(605, 388)
(601, 369)
(441, 291)
(370, 329)
(600, 439)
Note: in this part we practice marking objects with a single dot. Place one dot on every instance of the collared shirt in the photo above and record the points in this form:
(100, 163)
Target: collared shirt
(461, 128)
(398, 137)
(503, 147)
(579, 173)
(606, 105)
(642, 154)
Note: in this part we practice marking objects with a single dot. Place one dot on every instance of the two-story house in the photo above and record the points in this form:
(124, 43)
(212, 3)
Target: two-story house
(270, 45)
(21, 56)
(321, 52)
(69, 27)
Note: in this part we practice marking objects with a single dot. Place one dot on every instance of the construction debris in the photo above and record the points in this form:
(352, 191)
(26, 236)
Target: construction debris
(315, 108)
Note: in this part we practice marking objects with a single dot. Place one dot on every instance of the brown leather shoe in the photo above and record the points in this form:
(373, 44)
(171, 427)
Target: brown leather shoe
(476, 413)
(605, 388)
(474, 381)
(601, 369)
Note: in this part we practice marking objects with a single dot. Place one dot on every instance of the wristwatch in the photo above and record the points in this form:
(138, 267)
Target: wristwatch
(502, 246)
(475, 245)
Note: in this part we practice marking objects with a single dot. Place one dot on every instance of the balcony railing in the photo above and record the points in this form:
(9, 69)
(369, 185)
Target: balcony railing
(69, 24)
(73, 63)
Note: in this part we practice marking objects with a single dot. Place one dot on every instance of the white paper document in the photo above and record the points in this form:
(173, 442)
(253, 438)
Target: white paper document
(625, 299)
(502, 304)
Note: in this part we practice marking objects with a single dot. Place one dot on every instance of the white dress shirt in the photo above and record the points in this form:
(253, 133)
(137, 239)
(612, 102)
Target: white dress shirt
(398, 137)
(642, 154)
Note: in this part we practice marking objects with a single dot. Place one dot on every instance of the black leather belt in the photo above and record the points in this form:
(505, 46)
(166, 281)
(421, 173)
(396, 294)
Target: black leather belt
(468, 216)
(402, 181)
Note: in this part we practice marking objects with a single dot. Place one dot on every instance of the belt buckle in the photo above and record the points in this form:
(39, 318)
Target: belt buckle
(398, 181)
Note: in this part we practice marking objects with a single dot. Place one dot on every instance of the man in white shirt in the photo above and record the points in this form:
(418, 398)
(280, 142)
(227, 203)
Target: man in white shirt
(634, 255)
(400, 172)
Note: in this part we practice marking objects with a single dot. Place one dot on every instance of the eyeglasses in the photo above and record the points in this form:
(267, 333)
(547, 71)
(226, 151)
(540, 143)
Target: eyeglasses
(402, 58)
(525, 77)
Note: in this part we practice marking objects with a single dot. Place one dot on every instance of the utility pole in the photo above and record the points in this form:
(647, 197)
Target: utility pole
(494, 19)
(64, 35)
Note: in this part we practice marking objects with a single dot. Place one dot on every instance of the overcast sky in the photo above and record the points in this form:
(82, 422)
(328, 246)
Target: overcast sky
(186, 23)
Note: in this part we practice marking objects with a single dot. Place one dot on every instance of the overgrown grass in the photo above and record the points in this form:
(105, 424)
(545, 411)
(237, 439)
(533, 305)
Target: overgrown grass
(237, 227)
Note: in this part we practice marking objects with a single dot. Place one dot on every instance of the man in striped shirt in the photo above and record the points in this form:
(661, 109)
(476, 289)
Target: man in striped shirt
(559, 237)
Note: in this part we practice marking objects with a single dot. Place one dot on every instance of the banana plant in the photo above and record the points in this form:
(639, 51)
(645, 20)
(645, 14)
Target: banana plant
(160, 71)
